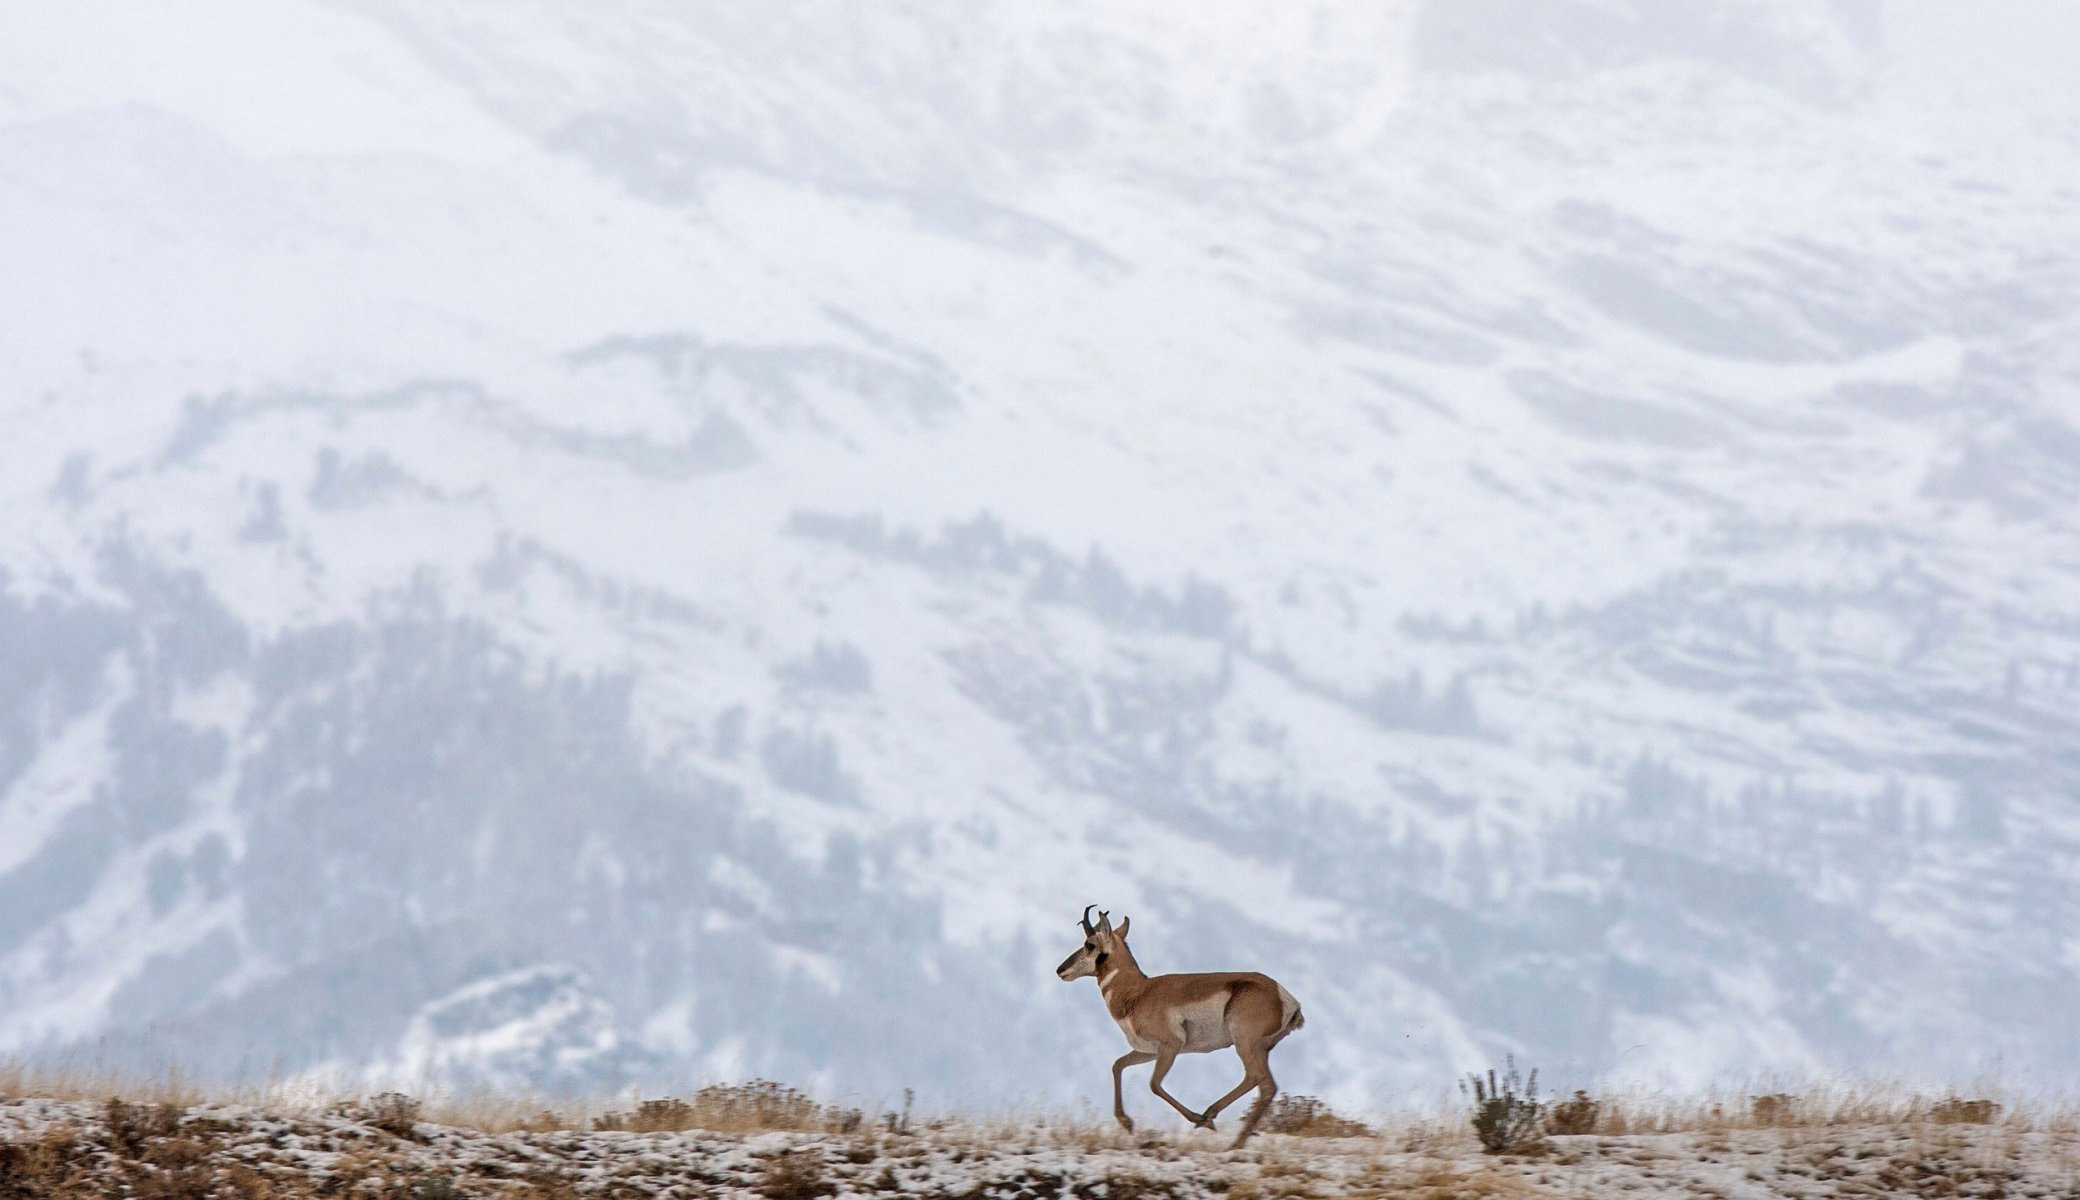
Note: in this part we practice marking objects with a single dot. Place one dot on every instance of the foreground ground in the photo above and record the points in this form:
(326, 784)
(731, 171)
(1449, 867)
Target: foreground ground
(82, 1147)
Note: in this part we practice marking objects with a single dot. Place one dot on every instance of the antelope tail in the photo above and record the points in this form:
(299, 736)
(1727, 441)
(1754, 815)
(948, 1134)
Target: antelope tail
(1294, 1018)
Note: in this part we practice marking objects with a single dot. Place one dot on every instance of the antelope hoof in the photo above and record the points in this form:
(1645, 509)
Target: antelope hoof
(1202, 1121)
(1125, 1122)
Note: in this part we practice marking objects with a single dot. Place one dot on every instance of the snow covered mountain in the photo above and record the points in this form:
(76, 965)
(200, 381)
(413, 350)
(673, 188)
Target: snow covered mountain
(665, 544)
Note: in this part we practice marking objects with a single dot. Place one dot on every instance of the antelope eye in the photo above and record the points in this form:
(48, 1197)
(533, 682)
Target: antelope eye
(1090, 945)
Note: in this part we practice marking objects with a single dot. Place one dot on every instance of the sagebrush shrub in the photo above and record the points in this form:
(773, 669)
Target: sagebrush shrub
(796, 1175)
(1306, 1116)
(174, 1168)
(1127, 1185)
(1954, 1111)
(545, 1183)
(130, 1126)
(735, 1107)
(392, 1112)
(52, 1164)
(436, 1187)
(1505, 1110)
(895, 1123)
(657, 1116)
(1573, 1116)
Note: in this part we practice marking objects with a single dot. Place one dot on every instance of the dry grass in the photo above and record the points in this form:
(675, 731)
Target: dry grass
(171, 1141)
(1572, 1117)
(756, 1105)
(1620, 1112)
(1306, 1116)
(1442, 1182)
(795, 1175)
(68, 1082)
(735, 1108)
(765, 1105)
(49, 1164)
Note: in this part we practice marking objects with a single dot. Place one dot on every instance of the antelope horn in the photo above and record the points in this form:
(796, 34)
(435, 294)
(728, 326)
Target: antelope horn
(1104, 918)
(1085, 920)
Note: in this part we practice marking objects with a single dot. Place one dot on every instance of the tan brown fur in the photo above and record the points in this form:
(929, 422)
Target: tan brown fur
(1168, 1015)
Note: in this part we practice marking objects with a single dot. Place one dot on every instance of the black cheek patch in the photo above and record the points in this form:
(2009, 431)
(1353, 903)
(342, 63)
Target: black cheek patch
(1103, 957)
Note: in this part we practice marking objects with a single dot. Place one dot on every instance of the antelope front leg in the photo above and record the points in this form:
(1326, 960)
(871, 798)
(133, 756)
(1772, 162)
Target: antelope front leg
(1164, 1057)
(1132, 1058)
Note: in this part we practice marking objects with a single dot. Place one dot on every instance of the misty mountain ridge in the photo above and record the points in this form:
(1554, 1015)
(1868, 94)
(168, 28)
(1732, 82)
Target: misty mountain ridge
(691, 549)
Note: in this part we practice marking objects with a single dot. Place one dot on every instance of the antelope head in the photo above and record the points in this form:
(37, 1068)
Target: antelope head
(1100, 942)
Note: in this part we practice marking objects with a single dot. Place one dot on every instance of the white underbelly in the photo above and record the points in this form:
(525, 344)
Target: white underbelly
(1193, 1029)
(1204, 1026)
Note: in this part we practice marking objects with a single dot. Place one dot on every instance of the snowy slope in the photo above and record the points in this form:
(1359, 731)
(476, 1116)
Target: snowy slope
(666, 547)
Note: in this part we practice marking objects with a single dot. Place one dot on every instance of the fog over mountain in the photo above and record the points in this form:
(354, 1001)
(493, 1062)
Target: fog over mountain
(649, 543)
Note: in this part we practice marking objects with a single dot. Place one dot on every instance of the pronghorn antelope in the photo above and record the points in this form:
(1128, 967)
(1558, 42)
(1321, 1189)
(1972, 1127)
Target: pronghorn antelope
(1185, 1014)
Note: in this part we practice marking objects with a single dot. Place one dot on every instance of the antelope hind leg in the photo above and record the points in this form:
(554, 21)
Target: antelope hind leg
(1249, 1080)
(1258, 1062)
(1255, 1014)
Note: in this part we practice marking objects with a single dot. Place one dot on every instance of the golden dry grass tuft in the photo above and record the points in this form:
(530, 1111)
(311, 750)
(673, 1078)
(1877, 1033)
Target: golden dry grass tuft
(49, 1164)
(75, 1082)
(1953, 1111)
(1442, 1182)
(795, 1175)
(1306, 1116)
(760, 1104)
(1620, 1112)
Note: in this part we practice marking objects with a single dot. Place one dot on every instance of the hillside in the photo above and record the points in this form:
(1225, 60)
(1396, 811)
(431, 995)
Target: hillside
(678, 550)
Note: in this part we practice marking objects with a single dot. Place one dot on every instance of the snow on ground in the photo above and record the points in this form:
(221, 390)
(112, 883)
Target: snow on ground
(78, 1147)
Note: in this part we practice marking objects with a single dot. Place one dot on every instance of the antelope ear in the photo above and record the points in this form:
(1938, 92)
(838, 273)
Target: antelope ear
(1121, 932)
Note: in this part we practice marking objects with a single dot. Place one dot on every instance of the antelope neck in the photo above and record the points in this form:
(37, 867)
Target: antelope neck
(1118, 979)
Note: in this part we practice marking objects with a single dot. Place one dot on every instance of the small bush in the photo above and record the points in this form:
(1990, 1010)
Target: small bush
(1777, 1108)
(363, 1163)
(763, 1104)
(899, 1124)
(544, 1183)
(1120, 1185)
(173, 1168)
(49, 1165)
(131, 1126)
(241, 1182)
(392, 1112)
(735, 1108)
(1505, 1111)
(436, 1187)
(1573, 1117)
(668, 1115)
(548, 1120)
(657, 1116)
(1305, 1116)
(22, 1172)
(796, 1175)
(126, 1127)
(1963, 1112)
